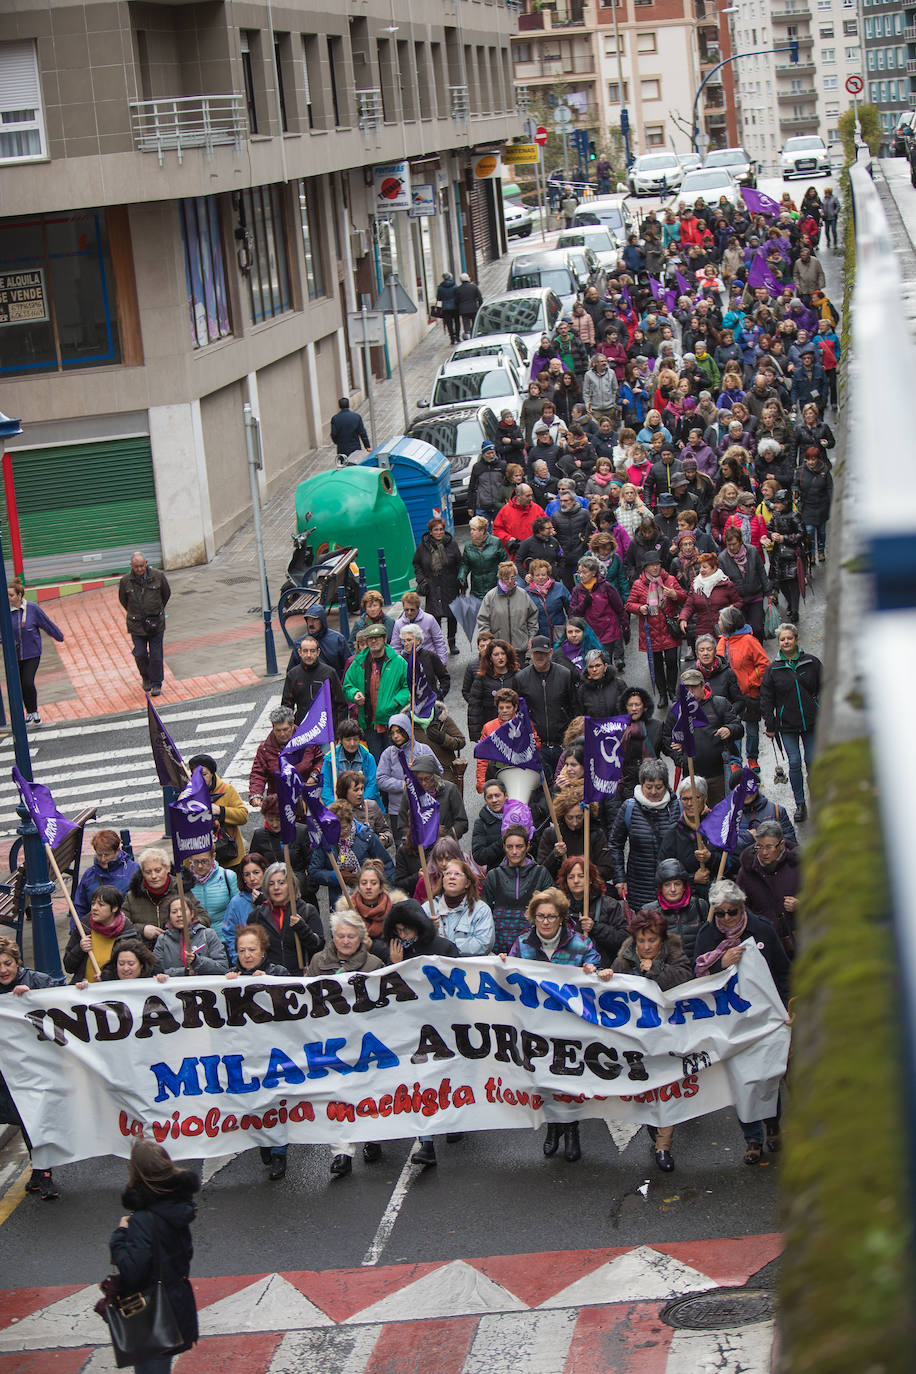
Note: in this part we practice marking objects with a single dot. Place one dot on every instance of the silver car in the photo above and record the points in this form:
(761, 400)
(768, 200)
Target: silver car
(804, 156)
(654, 174)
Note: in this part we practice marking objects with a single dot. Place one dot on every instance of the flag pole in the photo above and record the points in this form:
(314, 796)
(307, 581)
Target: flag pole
(425, 872)
(694, 825)
(345, 891)
(185, 919)
(586, 821)
(549, 800)
(722, 862)
(69, 900)
(291, 893)
(413, 696)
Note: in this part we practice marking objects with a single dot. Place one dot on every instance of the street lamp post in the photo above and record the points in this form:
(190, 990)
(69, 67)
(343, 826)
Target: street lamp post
(38, 885)
(624, 113)
(791, 47)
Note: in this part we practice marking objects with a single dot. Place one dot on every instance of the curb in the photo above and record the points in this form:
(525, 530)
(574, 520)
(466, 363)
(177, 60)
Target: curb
(56, 591)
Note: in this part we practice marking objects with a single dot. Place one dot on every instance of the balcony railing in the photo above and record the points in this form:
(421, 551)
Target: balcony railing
(528, 22)
(369, 109)
(909, 33)
(790, 16)
(801, 121)
(809, 93)
(911, 64)
(796, 69)
(192, 121)
(459, 104)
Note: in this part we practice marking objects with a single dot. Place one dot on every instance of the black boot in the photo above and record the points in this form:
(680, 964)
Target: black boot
(573, 1149)
(266, 1156)
(341, 1165)
(662, 701)
(801, 812)
(372, 1152)
(426, 1155)
(277, 1168)
(552, 1140)
(665, 1160)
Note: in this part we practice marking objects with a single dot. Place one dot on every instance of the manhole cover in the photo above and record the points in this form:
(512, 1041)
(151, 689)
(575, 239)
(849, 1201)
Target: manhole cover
(712, 1311)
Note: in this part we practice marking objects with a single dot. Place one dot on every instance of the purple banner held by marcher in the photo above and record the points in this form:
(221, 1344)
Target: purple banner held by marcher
(422, 696)
(760, 275)
(323, 825)
(688, 714)
(191, 818)
(720, 826)
(683, 285)
(290, 788)
(37, 799)
(758, 202)
(170, 766)
(316, 728)
(603, 755)
(656, 288)
(512, 743)
(424, 809)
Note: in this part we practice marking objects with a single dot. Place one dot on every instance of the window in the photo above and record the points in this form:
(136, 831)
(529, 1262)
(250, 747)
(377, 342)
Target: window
(311, 240)
(646, 42)
(650, 90)
(828, 55)
(613, 92)
(826, 31)
(610, 46)
(870, 60)
(853, 54)
(60, 308)
(832, 108)
(205, 270)
(249, 41)
(281, 52)
(308, 43)
(22, 134)
(261, 211)
(850, 28)
(655, 135)
(869, 28)
(831, 83)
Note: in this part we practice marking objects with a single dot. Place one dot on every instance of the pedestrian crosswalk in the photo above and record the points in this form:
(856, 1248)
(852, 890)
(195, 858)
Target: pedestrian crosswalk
(109, 764)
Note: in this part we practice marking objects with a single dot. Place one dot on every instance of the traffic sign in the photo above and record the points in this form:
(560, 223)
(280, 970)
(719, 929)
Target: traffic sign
(854, 85)
(515, 154)
(366, 327)
(541, 135)
(562, 116)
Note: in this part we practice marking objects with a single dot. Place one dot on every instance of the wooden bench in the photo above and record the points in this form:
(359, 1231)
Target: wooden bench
(67, 855)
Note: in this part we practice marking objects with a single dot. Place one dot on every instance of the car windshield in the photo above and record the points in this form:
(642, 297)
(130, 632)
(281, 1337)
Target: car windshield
(799, 145)
(609, 217)
(599, 242)
(471, 386)
(509, 317)
(658, 163)
(450, 437)
(726, 157)
(702, 181)
(529, 278)
(481, 350)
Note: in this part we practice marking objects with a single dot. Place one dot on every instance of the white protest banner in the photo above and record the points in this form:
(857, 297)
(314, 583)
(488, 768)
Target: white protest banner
(209, 1066)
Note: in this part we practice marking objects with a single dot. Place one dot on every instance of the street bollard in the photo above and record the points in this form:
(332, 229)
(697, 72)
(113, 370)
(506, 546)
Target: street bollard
(344, 623)
(362, 584)
(384, 584)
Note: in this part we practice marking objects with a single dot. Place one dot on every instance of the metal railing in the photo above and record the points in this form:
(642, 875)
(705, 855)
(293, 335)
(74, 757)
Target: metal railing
(176, 123)
(459, 103)
(369, 109)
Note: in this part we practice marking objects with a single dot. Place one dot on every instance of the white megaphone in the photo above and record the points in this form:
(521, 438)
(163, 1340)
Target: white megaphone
(519, 783)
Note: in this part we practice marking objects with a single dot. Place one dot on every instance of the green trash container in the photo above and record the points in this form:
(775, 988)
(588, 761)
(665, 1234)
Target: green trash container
(360, 506)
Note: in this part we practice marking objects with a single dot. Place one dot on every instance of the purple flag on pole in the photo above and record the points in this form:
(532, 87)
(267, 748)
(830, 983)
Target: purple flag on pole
(760, 275)
(656, 288)
(422, 696)
(290, 788)
(758, 202)
(603, 755)
(671, 299)
(316, 728)
(424, 809)
(626, 296)
(37, 799)
(512, 743)
(687, 716)
(191, 818)
(720, 827)
(170, 766)
(323, 825)
(683, 285)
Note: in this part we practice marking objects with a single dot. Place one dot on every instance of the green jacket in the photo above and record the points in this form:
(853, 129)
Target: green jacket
(480, 564)
(710, 369)
(393, 689)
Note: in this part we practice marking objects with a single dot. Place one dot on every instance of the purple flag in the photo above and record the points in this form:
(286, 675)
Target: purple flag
(758, 202)
(626, 296)
(191, 819)
(760, 275)
(603, 755)
(656, 288)
(424, 809)
(170, 766)
(316, 728)
(512, 743)
(422, 696)
(37, 799)
(671, 299)
(516, 812)
(290, 788)
(687, 715)
(720, 827)
(323, 825)
(683, 285)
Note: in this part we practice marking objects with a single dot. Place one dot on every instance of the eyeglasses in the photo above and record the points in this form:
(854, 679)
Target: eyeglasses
(728, 911)
(547, 916)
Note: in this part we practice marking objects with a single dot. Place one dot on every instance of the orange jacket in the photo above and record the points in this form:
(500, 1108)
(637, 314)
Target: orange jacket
(748, 659)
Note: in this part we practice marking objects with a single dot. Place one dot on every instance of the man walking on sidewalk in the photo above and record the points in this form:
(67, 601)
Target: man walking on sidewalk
(469, 300)
(348, 430)
(144, 594)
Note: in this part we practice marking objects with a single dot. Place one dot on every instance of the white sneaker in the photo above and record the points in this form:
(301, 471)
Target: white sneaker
(35, 718)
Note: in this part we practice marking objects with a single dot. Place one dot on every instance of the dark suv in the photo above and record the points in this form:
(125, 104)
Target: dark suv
(904, 133)
(458, 434)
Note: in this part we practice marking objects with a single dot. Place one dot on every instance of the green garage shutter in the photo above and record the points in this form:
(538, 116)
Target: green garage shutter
(84, 508)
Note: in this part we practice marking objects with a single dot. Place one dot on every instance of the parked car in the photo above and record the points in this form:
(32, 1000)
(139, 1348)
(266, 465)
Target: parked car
(518, 220)
(600, 242)
(712, 183)
(511, 346)
(736, 161)
(904, 133)
(690, 161)
(458, 434)
(467, 380)
(610, 212)
(654, 174)
(587, 267)
(550, 268)
(528, 313)
(804, 156)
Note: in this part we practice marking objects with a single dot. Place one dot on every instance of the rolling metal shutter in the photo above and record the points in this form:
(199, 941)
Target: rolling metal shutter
(479, 202)
(84, 508)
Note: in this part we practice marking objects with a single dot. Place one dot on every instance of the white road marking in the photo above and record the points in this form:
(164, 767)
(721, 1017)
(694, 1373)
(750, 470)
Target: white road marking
(734, 1350)
(213, 1166)
(137, 722)
(239, 768)
(524, 1342)
(269, 1304)
(392, 1211)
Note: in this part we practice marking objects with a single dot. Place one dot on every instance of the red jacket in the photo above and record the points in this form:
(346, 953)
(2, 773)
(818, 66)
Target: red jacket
(758, 529)
(513, 522)
(661, 636)
(692, 230)
(266, 763)
(707, 608)
(601, 608)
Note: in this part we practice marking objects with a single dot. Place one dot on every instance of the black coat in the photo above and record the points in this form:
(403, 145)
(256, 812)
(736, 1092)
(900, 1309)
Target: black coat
(551, 698)
(348, 432)
(468, 298)
(156, 1243)
(644, 827)
(710, 751)
(610, 929)
(602, 698)
(722, 682)
(536, 547)
(303, 684)
(574, 839)
(485, 484)
(481, 706)
(282, 944)
(686, 922)
(681, 843)
(789, 698)
(487, 839)
(442, 587)
(815, 494)
(784, 556)
(427, 943)
(760, 930)
(573, 528)
(753, 584)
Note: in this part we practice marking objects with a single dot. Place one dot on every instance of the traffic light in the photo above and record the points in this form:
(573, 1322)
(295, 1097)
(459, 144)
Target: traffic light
(793, 50)
(592, 150)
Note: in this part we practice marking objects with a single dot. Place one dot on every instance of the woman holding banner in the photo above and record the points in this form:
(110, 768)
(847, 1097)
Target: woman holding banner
(15, 978)
(202, 952)
(150, 893)
(357, 843)
(293, 935)
(229, 812)
(107, 923)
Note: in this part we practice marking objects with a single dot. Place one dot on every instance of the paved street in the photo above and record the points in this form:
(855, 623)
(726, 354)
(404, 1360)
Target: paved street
(496, 1262)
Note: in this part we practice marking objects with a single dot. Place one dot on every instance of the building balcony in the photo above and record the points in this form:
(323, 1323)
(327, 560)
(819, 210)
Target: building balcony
(554, 69)
(796, 69)
(911, 64)
(795, 16)
(528, 23)
(809, 93)
(715, 119)
(799, 123)
(909, 33)
(192, 121)
(710, 58)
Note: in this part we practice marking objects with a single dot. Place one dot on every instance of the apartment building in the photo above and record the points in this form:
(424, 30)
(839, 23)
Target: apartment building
(889, 49)
(194, 195)
(779, 99)
(649, 55)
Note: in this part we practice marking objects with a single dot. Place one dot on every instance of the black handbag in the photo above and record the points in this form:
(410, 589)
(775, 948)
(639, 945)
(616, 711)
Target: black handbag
(674, 628)
(143, 1324)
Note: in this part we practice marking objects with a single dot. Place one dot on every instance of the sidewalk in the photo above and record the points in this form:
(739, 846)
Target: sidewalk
(215, 634)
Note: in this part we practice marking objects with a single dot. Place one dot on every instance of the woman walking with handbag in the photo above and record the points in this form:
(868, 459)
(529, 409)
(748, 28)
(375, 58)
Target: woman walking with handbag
(152, 1250)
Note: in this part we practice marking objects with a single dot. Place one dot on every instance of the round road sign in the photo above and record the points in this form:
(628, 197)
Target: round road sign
(541, 135)
(854, 85)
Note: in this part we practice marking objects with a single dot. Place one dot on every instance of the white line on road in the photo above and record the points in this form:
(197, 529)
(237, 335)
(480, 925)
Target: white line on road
(135, 723)
(239, 768)
(392, 1211)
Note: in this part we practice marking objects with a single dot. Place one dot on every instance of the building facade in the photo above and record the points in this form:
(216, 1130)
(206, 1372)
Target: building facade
(192, 202)
(889, 50)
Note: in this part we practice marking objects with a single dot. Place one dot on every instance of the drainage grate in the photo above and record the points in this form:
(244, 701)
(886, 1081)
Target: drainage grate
(722, 1308)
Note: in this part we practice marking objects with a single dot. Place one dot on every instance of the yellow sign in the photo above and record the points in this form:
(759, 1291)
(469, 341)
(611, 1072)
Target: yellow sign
(516, 153)
(486, 166)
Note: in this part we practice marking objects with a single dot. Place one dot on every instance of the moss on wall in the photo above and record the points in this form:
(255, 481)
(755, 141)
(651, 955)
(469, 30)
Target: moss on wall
(846, 1282)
